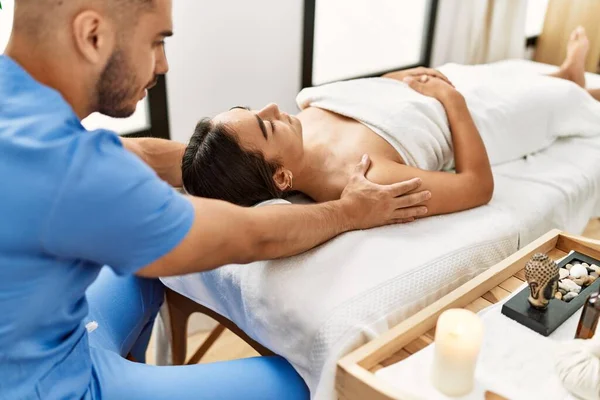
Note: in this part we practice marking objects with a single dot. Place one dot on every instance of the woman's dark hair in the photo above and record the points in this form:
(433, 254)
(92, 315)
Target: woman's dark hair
(216, 166)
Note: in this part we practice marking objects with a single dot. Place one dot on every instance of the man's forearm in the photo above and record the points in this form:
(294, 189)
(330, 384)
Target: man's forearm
(226, 234)
(282, 231)
(163, 156)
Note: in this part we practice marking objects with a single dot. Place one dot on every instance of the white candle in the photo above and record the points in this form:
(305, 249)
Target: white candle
(458, 337)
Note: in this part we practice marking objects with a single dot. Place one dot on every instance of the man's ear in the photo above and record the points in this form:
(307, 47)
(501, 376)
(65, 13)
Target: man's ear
(283, 179)
(94, 36)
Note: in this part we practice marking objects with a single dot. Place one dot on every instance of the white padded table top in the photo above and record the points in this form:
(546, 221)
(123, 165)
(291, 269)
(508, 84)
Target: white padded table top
(316, 307)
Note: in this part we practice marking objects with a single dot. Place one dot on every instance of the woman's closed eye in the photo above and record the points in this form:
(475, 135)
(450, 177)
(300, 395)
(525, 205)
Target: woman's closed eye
(272, 125)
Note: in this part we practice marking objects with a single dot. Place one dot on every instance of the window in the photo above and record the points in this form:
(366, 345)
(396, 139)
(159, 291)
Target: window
(354, 38)
(536, 13)
(138, 122)
(6, 22)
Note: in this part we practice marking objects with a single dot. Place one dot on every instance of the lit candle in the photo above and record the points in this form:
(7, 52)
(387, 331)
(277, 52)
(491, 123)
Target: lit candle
(458, 337)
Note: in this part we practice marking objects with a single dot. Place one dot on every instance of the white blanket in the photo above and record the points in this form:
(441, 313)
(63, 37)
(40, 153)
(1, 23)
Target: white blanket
(517, 113)
(314, 308)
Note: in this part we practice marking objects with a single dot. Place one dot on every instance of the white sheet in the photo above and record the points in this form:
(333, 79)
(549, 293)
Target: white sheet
(314, 308)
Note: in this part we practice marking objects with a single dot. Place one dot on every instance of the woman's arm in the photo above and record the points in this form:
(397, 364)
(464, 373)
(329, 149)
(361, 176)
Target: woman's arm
(473, 183)
(163, 156)
(595, 93)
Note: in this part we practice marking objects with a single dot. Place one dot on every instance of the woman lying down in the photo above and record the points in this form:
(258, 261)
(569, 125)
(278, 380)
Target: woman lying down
(412, 123)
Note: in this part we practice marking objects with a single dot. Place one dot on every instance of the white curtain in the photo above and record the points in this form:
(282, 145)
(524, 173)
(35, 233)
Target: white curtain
(479, 31)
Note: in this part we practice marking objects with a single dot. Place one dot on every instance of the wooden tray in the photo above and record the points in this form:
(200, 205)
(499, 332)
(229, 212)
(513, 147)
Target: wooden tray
(355, 378)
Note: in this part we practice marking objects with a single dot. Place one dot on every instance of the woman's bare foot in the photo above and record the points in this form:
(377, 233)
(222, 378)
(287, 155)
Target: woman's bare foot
(573, 68)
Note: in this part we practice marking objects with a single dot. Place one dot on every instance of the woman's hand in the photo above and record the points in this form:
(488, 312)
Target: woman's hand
(437, 88)
(417, 73)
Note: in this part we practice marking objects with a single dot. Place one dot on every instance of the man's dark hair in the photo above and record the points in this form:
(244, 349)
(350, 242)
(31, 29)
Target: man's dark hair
(216, 166)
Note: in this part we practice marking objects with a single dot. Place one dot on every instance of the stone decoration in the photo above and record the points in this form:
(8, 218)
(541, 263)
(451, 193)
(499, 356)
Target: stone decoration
(573, 278)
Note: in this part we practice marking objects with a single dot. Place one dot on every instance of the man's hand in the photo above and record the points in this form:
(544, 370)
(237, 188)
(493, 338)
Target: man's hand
(437, 88)
(416, 73)
(369, 205)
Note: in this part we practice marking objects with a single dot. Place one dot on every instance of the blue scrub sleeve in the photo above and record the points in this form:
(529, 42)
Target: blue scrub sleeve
(113, 209)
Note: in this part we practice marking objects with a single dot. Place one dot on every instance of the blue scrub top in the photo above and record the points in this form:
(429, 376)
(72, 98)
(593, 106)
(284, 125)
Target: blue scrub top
(71, 201)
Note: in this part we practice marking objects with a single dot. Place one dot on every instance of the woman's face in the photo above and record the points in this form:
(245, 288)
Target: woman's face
(274, 133)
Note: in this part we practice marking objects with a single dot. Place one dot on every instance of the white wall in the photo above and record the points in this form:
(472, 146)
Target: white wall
(230, 52)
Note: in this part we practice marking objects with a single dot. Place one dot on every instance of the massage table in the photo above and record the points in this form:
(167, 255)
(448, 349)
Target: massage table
(314, 308)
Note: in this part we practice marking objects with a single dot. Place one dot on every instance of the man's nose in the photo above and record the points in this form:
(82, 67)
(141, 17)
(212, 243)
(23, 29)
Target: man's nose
(162, 65)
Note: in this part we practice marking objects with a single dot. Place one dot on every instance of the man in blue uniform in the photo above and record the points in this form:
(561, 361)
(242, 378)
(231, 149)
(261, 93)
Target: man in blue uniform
(74, 201)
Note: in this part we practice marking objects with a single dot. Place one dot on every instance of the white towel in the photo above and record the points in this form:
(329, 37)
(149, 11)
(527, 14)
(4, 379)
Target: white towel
(516, 114)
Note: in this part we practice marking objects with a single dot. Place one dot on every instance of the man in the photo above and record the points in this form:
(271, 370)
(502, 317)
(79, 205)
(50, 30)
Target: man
(73, 201)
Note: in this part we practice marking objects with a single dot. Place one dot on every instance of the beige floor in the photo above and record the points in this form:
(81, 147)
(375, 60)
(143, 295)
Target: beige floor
(227, 347)
(230, 347)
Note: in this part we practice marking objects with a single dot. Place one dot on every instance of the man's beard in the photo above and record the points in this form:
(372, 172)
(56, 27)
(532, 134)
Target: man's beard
(116, 88)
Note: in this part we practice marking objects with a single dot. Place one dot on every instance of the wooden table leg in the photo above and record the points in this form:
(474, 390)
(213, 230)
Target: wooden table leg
(210, 340)
(180, 309)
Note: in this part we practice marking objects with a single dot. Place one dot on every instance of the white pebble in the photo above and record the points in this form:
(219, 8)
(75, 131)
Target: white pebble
(563, 273)
(568, 266)
(569, 286)
(570, 296)
(595, 268)
(578, 271)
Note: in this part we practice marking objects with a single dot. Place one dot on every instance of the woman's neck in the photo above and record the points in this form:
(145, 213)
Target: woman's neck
(322, 176)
